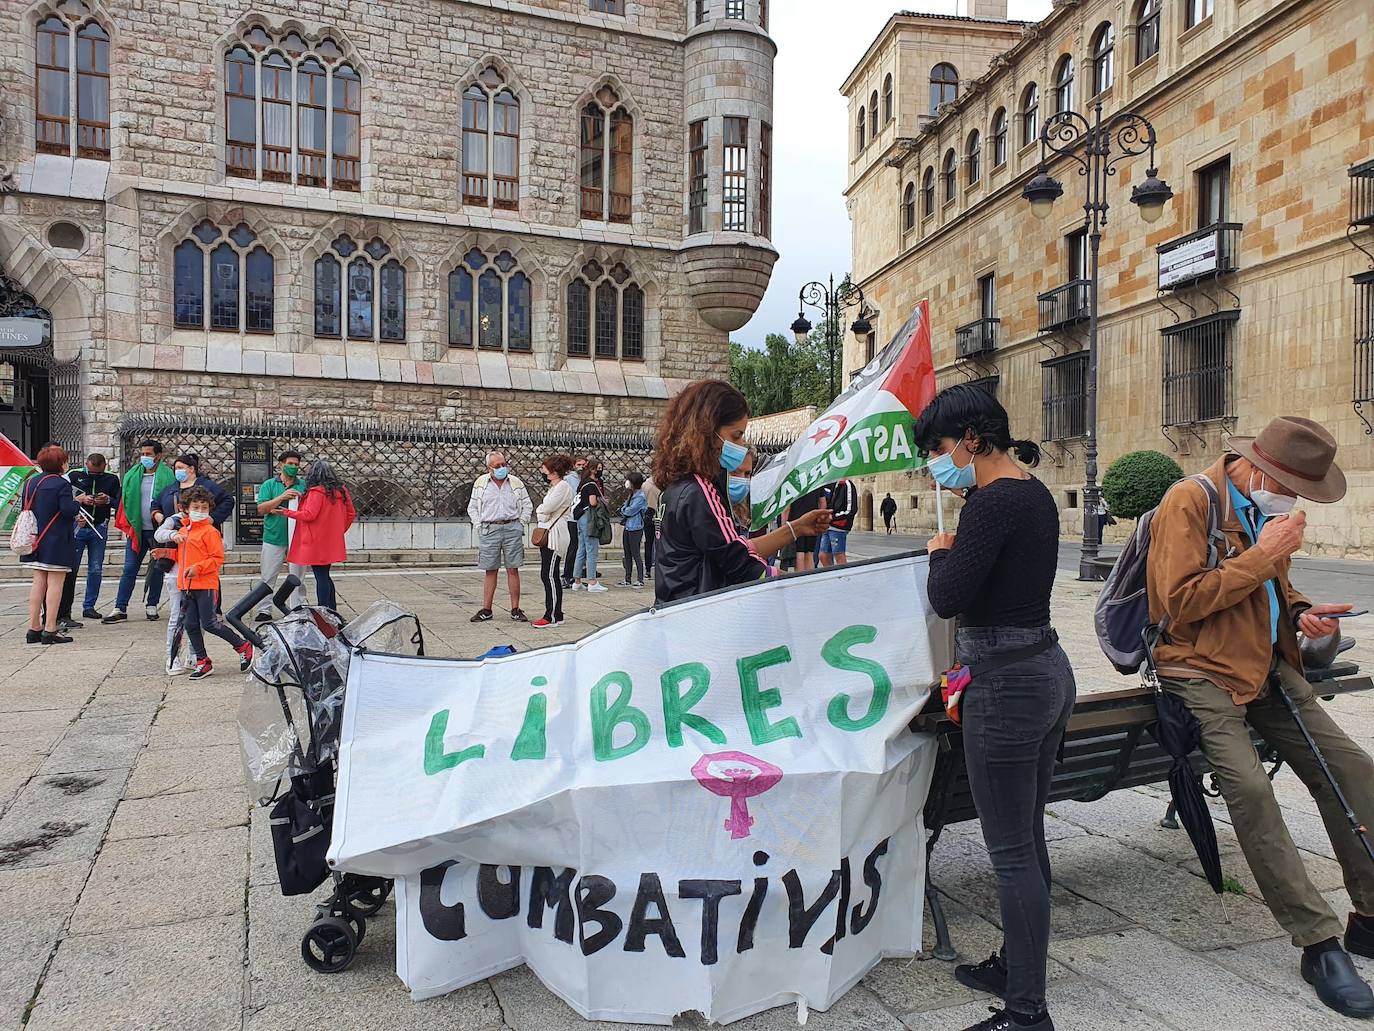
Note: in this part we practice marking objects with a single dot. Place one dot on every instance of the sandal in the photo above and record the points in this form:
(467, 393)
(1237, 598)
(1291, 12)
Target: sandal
(483, 615)
(519, 615)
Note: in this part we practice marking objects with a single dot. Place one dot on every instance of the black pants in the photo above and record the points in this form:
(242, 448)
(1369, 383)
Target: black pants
(634, 557)
(551, 573)
(1014, 720)
(650, 532)
(324, 588)
(64, 604)
(570, 558)
(199, 616)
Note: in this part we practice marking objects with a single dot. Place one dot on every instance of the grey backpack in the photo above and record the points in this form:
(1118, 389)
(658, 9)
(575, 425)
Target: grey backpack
(1123, 608)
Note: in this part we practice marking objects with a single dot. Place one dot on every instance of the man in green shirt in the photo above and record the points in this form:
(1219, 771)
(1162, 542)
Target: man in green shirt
(281, 491)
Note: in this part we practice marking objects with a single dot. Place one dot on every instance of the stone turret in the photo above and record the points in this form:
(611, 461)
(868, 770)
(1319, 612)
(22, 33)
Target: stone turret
(729, 112)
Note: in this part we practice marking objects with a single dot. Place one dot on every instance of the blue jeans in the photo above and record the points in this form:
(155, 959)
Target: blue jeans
(1014, 720)
(133, 560)
(91, 541)
(588, 546)
(324, 588)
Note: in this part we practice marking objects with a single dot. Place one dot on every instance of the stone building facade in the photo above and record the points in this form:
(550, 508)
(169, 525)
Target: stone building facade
(1252, 295)
(538, 215)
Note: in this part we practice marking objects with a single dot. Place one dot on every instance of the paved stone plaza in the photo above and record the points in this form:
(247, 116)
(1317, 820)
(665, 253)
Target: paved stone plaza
(137, 889)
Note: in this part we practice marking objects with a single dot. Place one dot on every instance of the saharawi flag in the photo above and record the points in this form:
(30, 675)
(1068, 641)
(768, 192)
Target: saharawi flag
(15, 468)
(866, 431)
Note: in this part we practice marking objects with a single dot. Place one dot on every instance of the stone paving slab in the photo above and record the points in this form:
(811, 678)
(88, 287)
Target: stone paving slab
(475, 1008)
(175, 770)
(181, 813)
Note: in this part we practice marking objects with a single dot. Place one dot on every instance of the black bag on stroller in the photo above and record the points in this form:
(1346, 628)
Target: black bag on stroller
(301, 821)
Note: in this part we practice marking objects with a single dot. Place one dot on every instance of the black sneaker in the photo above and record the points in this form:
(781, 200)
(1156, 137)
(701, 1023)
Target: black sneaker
(117, 616)
(483, 616)
(1001, 1021)
(202, 670)
(1337, 982)
(91, 614)
(988, 976)
(519, 616)
(1359, 935)
(69, 624)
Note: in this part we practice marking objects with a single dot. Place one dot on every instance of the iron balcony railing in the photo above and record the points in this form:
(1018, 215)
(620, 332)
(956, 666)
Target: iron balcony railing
(1362, 194)
(1210, 252)
(977, 337)
(1064, 305)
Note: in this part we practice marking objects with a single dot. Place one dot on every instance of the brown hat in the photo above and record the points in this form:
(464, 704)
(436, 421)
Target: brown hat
(1298, 453)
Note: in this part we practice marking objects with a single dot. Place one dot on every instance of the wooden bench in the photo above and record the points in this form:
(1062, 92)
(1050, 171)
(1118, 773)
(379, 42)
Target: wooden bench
(1106, 748)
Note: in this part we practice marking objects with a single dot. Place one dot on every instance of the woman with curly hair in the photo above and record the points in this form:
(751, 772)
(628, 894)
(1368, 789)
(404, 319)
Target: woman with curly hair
(324, 516)
(700, 549)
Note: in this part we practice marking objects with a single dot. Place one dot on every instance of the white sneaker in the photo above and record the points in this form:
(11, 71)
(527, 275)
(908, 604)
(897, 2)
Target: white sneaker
(639, 585)
(576, 587)
(596, 589)
(150, 611)
(176, 668)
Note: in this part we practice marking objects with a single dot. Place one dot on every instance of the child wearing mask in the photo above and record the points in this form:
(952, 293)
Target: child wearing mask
(200, 556)
(176, 616)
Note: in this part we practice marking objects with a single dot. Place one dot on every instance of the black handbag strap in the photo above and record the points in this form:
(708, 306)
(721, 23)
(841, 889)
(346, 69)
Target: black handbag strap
(999, 659)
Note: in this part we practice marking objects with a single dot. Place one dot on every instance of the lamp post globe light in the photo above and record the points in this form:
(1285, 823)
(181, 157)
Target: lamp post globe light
(1096, 147)
(831, 301)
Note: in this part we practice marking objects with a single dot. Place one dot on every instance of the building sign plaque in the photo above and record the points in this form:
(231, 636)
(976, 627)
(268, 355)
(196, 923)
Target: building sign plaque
(17, 332)
(1192, 260)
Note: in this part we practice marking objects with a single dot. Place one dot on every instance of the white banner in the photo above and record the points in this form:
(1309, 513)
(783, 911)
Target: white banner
(713, 806)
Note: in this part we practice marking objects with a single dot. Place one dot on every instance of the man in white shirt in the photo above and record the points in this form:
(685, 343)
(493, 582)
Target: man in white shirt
(499, 509)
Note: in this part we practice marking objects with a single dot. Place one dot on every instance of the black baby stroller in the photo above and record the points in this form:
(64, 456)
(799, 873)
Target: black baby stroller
(289, 722)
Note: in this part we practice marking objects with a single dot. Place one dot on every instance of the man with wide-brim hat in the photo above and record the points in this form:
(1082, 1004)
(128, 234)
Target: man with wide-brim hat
(1231, 647)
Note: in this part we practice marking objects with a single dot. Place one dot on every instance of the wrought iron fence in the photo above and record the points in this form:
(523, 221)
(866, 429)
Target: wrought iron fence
(1064, 305)
(1197, 370)
(399, 470)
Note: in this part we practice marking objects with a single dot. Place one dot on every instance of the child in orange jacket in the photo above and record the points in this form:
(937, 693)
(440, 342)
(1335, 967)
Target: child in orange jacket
(200, 556)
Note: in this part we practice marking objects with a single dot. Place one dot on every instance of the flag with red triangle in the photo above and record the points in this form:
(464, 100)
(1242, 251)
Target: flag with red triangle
(866, 431)
(15, 468)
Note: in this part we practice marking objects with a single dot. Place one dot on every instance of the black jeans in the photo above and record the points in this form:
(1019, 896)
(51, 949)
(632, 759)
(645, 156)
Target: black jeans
(1014, 720)
(634, 557)
(551, 573)
(571, 556)
(650, 533)
(324, 588)
(199, 607)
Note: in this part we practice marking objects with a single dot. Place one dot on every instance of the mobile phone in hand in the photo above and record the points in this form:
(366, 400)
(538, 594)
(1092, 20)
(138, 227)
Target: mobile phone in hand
(1344, 615)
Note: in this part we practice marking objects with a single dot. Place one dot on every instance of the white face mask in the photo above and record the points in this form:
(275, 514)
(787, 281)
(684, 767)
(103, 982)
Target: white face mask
(1269, 503)
(199, 517)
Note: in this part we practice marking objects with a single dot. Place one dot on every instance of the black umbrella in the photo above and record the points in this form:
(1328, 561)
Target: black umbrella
(1178, 732)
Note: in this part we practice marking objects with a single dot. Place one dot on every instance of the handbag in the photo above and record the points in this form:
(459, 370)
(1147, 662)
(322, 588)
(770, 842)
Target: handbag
(958, 678)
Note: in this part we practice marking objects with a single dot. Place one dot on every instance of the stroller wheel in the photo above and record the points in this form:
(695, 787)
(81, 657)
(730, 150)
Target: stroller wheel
(365, 896)
(329, 945)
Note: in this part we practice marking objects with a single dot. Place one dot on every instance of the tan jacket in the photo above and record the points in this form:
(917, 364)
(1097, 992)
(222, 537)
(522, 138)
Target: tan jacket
(1218, 618)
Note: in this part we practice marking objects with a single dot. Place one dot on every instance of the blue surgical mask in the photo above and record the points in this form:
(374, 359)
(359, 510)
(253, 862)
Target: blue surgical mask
(501, 473)
(949, 475)
(183, 475)
(732, 455)
(739, 489)
(148, 461)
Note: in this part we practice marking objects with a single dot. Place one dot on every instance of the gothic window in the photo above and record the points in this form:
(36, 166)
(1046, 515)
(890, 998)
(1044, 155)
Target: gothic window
(292, 112)
(696, 177)
(928, 193)
(948, 175)
(975, 157)
(360, 292)
(605, 313)
(1063, 84)
(909, 208)
(999, 138)
(489, 303)
(607, 158)
(222, 281)
(735, 180)
(887, 99)
(491, 143)
(1030, 114)
(1104, 46)
(944, 85)
(72, 94)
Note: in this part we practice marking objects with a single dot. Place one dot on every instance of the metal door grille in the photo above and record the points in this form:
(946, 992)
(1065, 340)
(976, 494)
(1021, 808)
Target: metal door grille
(1196, 384)
(1064, 397)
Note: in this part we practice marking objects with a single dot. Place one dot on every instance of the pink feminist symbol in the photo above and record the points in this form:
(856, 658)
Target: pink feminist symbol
(738, 777)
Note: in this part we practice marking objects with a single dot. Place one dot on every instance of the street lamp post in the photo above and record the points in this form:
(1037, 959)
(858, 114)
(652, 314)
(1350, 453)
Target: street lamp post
(1097, 147)
(831, 302)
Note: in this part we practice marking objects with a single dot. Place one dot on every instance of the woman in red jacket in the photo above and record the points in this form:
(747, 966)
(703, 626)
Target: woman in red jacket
(323, 517)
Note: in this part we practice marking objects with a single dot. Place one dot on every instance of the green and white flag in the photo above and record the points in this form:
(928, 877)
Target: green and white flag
(866, 431)
(15, 468)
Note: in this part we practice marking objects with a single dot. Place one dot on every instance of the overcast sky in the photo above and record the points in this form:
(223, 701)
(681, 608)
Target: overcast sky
(819, 42)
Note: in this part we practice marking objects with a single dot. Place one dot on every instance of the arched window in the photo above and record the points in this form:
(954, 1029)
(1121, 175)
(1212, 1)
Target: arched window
(605, 313)
(909, 208)
(873, 115)
(948, 172)
(944, 85)
(491, 143)
(309, 132)
(607, 161)
(859, 131)
(72, 93)
(222, 281)
(1146, 30)
(489, 303)
(1104, 45)
(1030, 114)
(1063, 84)
(361, 291)
(928, 193)
(999, 138)
(887, 99)
(975, 157)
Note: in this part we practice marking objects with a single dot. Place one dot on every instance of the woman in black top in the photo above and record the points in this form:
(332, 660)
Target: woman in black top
(996, 576)
(589, 495)
(49, 496)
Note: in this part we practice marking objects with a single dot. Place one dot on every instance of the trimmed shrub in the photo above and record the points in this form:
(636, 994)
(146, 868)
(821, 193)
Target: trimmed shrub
(1136, 482)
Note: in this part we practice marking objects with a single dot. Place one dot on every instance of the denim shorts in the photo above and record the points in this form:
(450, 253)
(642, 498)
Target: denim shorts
(832, 542)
